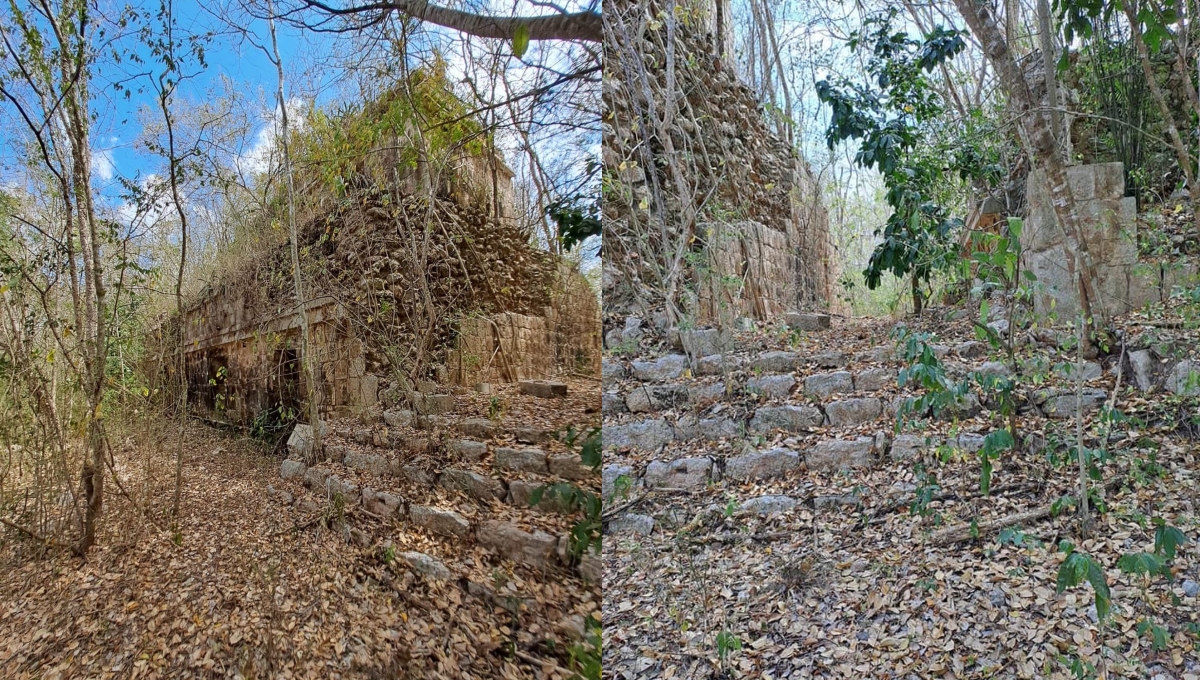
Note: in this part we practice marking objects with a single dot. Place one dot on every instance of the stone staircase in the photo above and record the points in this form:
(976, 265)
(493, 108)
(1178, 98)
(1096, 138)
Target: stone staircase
(448, 493)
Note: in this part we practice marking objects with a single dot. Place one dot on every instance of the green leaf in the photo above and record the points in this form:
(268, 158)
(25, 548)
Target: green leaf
(1139, 563)
(1166, 539)
(520, 41)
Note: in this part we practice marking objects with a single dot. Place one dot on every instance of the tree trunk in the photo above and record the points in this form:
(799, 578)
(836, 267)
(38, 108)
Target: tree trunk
(1036, 130)
(584, 26)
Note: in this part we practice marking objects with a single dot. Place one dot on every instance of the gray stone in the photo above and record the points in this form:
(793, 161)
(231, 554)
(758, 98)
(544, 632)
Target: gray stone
(527, 434)
(685, 473)
(469, 450)
(336, 486)
(1063, 403)
(569, 466)
(363, 435)
(910, 446)
(963, 407)
(823, 385)
(520, 495)
(280, 495)
(701, 343)
(877, 355)
(438, 521)
(825, 502)
(633, 330)
(382, 503)
(851, 412)
(1000, 326)
(1184, 379)
(300, 442)
(473, 484)
(788, 418)
(611, 404)
(335, 453)
(591, 568)
(835, 454)
(830, 359)
(631, 523)
(400, 417)
(705, 394)
(433, 404)
(416, 475)
(611, 372)
(1190, 588)
(807, 322)
(995, 368)
(971, 349)
(480, 428)
(520, 460)
(717, 364)
(292, 469)
(1142, 363)
(534, 549)
(368, 463)
(691, 427)
(770, 505)
(775, 362)
(967, 442)
(1091, 371)
(771, 386)
(761, 464)
(670, 367)
(545, 389)
(483, 388)
(610, 474)
(424, 564)
(874, 379)
(314, 478)
(645, 435)
(647, 398)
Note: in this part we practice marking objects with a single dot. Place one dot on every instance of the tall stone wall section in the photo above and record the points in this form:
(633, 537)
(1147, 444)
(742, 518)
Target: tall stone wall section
(761, 215)
(1110, 223)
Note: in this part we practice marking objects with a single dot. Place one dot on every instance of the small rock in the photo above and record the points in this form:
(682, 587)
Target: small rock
(775, 362)
(611, 372)
(469, 450)
(424, 564)
(670, 367)
(546, 389)
(520, 460)
(1142, 364)
(1184, 379)
(611, 404)
(824, 385)
(769, 505)
(438, 521)
(771, 386)
(685, 473)
(1091, 371)
(292, 469)
(280, 495)
(997, 597)
(996, 368)
(479, 428)
(631, 523)
(1190, 588)
(971, 349)
(807, 322)
(483, 388)
(761, 464)
(382, 503)
(611, 474)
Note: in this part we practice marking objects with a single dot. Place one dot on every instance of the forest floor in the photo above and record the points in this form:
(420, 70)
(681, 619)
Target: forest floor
(242, 588)
(850, 579)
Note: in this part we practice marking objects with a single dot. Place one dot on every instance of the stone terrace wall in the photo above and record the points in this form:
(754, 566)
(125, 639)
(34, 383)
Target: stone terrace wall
(735, 166)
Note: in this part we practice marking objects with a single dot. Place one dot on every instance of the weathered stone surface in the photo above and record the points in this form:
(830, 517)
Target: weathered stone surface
(534, 549)
(702, 343)
(611, 372)
(529, 434)
(646, 435)
(1063, 403)
(591, 568)
(335, 453)
(880, 354)
(438, 521)
(479, 428)
(788, 418)
(382, 503)
(823, 385)
(363, 435)
(965, 406)
(770, 505)
(669, 367)
(761, 464)
(685, 473)
(300, 442)
(610, 474)
(717, 364)
(367, 463)
(520, 495)
(691, 427)
(433, 404)
(851, 412)
(569, 466)
(874, 379)
(807, 322)
(546, 389)
(971, 349)
(1142, 364)
(415, 474)
(612, 403)
(835, 454)
(967, 442)
(520, 460)
(469, 450)
(280, 495)
(314, 478)
(705, 394)
(292, 469)
(996, 368)
(771, 386)
(830, 359)
(1091, 371)
(424, 564)
(348, 490)
(910, 446)
(646, 398)
(1184, 379)
(473, 484)
(631, 523)
(775, 361)
(825, 502)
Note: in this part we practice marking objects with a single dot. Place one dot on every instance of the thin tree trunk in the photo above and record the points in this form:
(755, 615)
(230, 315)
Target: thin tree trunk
(1037, 133)
(306, 349)
(1050, 64)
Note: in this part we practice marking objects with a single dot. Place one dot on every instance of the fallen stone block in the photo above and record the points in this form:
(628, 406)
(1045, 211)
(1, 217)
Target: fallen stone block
(807, 322)
(839, 454)
(438, 521)
(469, 450)
(546, 389)
(292, 469)
(473, 484)
(787, 418)
(761, 464)
(685, 473)
(533, 549)
(520, 460)
(424, 565)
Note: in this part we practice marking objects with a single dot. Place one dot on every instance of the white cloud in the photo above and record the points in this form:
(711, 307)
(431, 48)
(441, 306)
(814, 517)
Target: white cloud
(103, 165)
(257, 159)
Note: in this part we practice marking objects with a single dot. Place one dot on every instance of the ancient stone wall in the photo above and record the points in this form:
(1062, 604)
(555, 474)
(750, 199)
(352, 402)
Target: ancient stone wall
(1110, 227)
(728, 164)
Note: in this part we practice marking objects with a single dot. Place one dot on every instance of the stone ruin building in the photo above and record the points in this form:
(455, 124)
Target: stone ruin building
(416, 285)
(762, 245)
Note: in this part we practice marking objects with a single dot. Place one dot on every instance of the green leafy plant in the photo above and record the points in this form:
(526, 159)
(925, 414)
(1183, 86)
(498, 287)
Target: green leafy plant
(727, 643)
(586, 533)
(1079, 567)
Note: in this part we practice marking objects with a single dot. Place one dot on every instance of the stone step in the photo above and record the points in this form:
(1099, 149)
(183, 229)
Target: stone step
(536, 548)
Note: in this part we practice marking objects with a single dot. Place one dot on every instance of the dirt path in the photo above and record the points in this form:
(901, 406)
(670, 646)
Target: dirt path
(244, 588)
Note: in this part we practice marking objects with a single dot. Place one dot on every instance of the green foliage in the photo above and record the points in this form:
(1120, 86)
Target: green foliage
(585, 660)
(1167, 539)
(727, 643)
(1017, 538)
(1077, 568)
(586, 533)
(994, 443)
(1158, 634)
